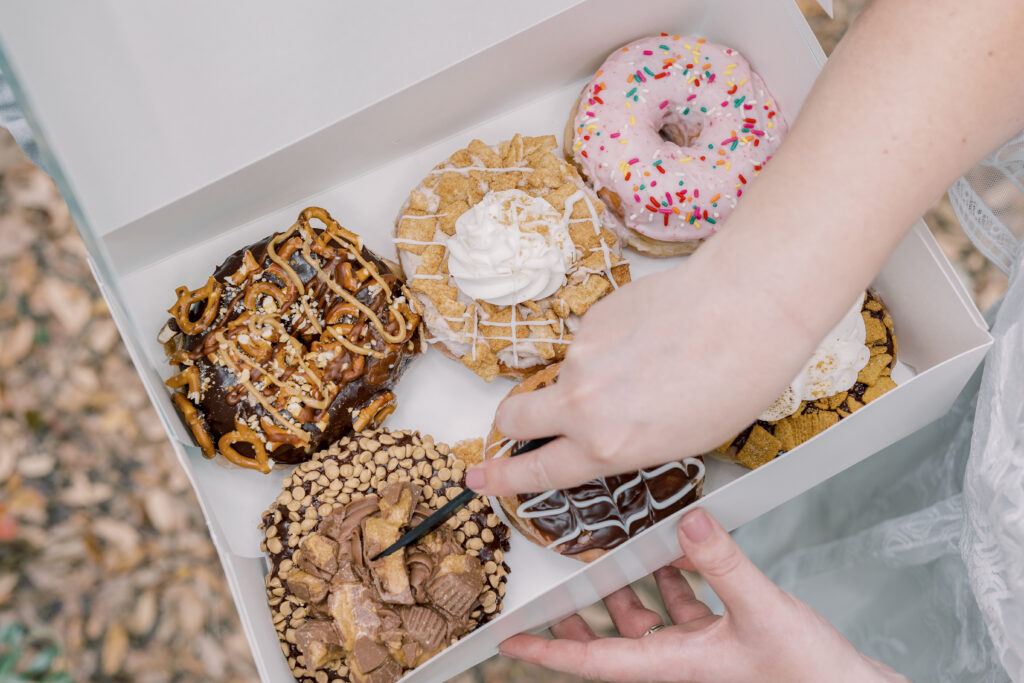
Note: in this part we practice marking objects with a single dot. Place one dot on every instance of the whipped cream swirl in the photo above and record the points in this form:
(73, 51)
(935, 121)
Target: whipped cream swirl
(831, 370)
(510, 248)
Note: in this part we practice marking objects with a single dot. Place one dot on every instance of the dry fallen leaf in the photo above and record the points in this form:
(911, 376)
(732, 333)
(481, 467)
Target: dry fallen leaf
(115, 647)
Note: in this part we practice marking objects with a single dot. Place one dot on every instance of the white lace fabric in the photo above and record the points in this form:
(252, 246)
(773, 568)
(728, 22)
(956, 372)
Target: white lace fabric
(917, 554)
(989, 202)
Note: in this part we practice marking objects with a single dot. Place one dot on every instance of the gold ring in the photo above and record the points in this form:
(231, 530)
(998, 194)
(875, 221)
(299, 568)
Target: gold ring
(653, 629)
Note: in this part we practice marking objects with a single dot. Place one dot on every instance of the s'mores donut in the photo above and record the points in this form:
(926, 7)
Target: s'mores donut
(505, 248)
(850, 368)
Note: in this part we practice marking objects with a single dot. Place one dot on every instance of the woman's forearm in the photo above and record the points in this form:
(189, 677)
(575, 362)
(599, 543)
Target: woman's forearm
(678, 362)
(915, 94)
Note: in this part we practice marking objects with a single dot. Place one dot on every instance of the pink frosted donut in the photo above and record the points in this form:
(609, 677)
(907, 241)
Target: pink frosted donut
(670, 131)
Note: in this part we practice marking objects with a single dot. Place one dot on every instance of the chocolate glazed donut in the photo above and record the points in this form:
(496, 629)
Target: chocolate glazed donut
(293, 342)
(586, 521)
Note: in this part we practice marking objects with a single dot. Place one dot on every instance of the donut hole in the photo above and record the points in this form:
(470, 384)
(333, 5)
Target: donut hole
(678, 131)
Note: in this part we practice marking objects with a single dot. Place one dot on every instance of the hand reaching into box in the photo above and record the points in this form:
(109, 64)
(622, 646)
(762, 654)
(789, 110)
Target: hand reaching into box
(765, 634)
(672, 364)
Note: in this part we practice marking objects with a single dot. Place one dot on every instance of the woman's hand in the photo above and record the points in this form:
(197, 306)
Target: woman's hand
(674, 364)
(764, 635)
(653, 374)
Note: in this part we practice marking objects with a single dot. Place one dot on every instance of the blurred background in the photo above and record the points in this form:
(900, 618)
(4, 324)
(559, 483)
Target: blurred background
(106, 569)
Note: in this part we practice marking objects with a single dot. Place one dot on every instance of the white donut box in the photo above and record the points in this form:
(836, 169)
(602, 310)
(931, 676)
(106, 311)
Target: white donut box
(181, 132)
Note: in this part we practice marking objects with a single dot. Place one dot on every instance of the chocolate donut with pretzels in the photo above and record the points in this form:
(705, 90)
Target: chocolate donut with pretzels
(292, 343)
(586, 521)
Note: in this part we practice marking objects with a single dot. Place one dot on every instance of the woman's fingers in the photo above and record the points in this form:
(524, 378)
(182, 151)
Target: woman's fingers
(684, 564)
(743, 589)
(608, 659)
(573, 627)
(680, 602)
(531, 415)
(559, 464)
(632, 619)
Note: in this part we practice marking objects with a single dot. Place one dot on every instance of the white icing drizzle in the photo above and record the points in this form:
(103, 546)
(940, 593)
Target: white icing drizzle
(527, 509)
(467, 169)
(518, 344)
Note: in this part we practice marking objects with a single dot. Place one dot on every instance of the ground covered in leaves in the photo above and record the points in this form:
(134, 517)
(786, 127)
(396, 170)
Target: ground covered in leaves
(106, 568)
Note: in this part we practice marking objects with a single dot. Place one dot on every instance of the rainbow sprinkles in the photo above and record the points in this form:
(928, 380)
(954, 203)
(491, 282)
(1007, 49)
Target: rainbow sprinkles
(675, 127)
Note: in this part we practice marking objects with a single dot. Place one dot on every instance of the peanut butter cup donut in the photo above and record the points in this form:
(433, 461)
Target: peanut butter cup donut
(342, 617)
(852, 367)
(670, 132)
(292, 343)
(505, 248)
(587, 521)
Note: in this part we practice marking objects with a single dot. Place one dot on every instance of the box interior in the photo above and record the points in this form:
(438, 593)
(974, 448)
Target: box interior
(361, 169)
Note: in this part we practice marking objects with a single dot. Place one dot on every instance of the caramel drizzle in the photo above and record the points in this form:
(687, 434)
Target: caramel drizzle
(306, 371)
(292, 373)
(242, 375)
(363, 308)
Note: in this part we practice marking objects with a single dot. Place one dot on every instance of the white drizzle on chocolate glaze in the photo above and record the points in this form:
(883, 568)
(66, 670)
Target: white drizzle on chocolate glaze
(526, 508)
(625, 525)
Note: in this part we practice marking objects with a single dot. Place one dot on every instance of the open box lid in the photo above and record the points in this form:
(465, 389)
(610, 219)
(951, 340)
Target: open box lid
(140, 105)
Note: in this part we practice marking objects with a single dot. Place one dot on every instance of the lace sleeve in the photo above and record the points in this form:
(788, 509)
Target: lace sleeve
(989, 202)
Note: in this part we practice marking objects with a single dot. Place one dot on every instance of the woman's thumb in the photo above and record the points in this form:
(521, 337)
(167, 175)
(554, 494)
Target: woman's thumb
(742, 588)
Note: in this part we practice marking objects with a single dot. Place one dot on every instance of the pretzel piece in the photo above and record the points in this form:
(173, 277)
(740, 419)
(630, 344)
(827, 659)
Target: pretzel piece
(248, 267)
(209, 293)
(378, 409)
(188, 377)
(194, 423)
(243, 433)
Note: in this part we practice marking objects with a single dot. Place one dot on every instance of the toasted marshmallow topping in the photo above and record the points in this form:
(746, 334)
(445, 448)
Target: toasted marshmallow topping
(831, 370)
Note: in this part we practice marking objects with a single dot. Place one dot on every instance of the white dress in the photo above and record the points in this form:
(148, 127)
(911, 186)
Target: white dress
(917, 554)
(918, 563)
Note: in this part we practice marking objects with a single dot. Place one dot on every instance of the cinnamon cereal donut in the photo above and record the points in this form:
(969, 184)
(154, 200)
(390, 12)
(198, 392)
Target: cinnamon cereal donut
(505, 248)
(669, 132)
(587, 521)
(852, 367)
(292, 343)
(341, 616)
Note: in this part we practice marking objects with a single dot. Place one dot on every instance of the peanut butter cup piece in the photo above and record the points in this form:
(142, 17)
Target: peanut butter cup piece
(369, 654)
(307, 587)
(457, 586)
(319, 642)
(425, 626)
(320, 553)
(389, 672)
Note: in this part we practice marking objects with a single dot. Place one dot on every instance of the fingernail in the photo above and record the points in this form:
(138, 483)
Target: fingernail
(476, 479)
(696, 525)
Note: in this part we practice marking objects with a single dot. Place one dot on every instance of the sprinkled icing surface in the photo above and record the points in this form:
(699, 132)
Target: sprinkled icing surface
(722, 123)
